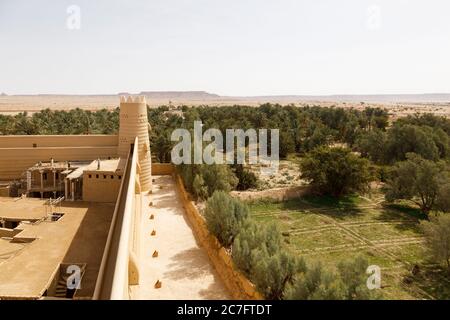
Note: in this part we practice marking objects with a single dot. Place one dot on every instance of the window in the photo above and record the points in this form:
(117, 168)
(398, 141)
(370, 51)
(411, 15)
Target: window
(90, 176)
(96, 176)
(56, 176)
(44, 176)
(104, 176)
(34, 145)
(120, 177)
(112, 177)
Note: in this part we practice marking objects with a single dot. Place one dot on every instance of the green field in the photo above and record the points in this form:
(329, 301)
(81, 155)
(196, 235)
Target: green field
(330, 230)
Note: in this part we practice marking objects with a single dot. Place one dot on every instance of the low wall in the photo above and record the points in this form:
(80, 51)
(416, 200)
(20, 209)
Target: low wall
(9, 233)
(4, 191)
(237, 284)
(162, 169)
(278, 194)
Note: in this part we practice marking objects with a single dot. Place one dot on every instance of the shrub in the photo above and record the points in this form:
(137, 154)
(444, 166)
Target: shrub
(247, 179)
(251, 237)
(211, 178)
(437, 235)
(354, 276)
(199, 189)
(258, 253)
(271, 274)
(316, 283)
(319, 283)
(224, 217)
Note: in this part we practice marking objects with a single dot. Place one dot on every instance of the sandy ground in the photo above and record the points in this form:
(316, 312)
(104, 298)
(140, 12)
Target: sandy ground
(182, 266)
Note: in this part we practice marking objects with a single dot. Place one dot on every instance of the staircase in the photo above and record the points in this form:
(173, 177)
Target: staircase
(61, 290)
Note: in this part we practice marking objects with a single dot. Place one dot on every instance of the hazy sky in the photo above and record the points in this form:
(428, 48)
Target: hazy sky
(229, 47)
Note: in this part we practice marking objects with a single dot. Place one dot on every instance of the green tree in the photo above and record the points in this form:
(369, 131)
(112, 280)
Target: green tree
(372, 144)
(336, 171)
(418, 180)
(199, 188)
(319, 283)
(246, 178)
(354, 276)
(271, 274)
(316, 283)
(225, 216)
(404, 139)
(252, 237)
(437, 235)
(287, 143)
(218, 177)
(443, 197)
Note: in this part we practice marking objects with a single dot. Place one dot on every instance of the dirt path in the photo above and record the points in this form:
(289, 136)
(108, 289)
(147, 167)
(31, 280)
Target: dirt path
(182, 266)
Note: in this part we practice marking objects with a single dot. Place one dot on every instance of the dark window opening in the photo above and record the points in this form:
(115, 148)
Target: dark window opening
(34, 145)
(10, 224)
(112, 177)
(57, 216)
(96, 176)
(56, 176)
(90, 176)
(44, 176)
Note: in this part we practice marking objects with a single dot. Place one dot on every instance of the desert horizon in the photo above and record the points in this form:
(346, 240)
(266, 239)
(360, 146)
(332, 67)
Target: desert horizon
(398, 105)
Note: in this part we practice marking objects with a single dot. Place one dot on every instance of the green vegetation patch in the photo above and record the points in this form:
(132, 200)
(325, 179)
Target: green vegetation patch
(383, 232)
(322, 239)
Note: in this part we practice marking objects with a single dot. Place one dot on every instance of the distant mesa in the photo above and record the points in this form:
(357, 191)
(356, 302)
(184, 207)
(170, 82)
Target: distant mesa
(191, 95)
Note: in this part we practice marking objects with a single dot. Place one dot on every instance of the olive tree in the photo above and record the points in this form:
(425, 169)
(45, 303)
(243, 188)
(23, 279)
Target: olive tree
(225, 216)
(336, 171)
(418, 180)
(437, 235)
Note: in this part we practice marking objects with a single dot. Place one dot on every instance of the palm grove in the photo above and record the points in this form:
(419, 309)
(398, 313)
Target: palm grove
(343, 151)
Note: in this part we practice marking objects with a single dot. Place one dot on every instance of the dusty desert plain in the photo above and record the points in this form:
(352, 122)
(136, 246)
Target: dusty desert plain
(397, 105)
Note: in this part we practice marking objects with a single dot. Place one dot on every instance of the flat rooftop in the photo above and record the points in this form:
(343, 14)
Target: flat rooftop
(58, 165)
(107, 165)
(27, 269)
(26, 209)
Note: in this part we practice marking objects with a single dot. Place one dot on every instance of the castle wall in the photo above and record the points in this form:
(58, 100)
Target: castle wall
(238, 285)
(17, 153)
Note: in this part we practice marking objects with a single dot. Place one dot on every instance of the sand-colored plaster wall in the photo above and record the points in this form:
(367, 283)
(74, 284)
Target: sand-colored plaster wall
(4, 191)
(58, 141)
(101, 189)
(162, 169)
(17, 153)
(238, 285)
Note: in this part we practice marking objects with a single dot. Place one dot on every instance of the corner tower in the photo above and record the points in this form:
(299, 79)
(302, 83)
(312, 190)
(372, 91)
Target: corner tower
(134, 123)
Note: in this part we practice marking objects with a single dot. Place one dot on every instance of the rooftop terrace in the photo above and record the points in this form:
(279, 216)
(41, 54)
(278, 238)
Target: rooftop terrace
(29, 262)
